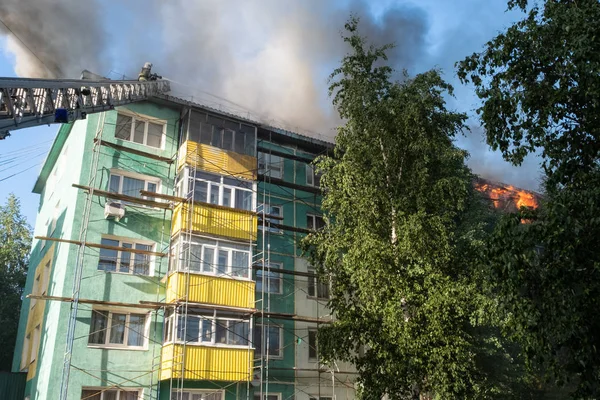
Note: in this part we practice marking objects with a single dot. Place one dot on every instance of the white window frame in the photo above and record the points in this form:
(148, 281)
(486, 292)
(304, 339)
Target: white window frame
(271, 165)
(105, 389)
(277, 265)
(145, 119)
(191, 392)
(281, 344)
(314, 221)
(221, 186)
(124, 345)
(270, 207)
(219, 245)
(310, 176)
(174, 321)
(315, 284)
(127, 174)
(134, 243)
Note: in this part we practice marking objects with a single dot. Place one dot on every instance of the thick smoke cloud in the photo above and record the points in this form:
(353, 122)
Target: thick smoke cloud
(65, 36)
(264, 59)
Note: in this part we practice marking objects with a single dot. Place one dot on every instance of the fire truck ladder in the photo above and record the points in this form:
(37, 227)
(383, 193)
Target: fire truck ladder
(28, 102)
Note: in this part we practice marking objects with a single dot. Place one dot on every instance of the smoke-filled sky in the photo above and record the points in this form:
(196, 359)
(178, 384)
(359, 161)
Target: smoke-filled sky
(266, 59)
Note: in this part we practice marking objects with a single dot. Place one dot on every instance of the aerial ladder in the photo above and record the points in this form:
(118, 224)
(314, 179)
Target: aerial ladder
(26, 102)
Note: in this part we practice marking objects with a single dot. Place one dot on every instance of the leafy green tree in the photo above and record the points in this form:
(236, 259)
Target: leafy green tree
(15, 239)
(539, 82)
(404, 232)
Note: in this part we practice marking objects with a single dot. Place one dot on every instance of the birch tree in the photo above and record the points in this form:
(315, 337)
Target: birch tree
(401, 242)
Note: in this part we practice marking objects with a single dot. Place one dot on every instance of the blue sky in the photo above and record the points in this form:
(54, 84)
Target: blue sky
(272, 58)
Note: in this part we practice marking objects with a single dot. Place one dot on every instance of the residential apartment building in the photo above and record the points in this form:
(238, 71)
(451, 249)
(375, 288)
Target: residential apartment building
(167, 262)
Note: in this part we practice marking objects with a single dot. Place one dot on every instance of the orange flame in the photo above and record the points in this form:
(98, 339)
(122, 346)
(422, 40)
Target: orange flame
(503, 194)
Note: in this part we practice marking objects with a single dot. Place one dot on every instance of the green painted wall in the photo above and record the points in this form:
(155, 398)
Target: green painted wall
(91, 366)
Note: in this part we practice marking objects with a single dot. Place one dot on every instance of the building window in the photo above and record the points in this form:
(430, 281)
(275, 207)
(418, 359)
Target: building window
(270, 165)
(312, 178)
(123, 261)
(196, 395)
(136, 130)
(207, 330)
(316, 288)
(215, 257)
(277, 217)
(117, 329)
(128, 185)
(274, 339)
(314, 222)
(110, 394)
(221, 133)
(312, 344)
(267, 396)
(222, 190)
(272, 281)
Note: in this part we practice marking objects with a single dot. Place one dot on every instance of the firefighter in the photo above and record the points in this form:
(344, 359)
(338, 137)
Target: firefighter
(146, 75)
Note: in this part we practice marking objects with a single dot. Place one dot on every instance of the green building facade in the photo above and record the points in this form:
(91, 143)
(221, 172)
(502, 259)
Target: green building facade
(177, 227)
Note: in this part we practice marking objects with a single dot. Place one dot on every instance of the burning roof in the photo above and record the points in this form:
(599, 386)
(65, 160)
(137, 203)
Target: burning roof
(507, 198)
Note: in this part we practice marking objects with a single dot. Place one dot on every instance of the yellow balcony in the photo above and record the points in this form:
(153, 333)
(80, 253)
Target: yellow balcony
(215, 220)
(210, 289)
(213, 159)
(206, 363)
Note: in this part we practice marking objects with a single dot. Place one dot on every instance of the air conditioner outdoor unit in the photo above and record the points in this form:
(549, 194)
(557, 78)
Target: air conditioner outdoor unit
(114, 209)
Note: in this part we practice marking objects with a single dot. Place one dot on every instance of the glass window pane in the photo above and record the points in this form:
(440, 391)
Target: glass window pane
(309, 175)
(243, 199)
(195, 258)
(208, 259)
(274, 341)
(138, 133)
(117, 328)
(155, 133)
(125, 258)
(240, 264)
(250, 142)
(222, 262)
(228, 139)
(217, 137)
(206, 135)
(239, 333)
(98, 327)
(108, 258)
(135, 336)
(274, 282)
(310, 222)
(312, 344)
(214, 194)
(123, 128)
(142, 261)
(196, 119)
(193, 329)
(109, 395)
(115, 181)
(240, 142)
(152, 187)
(129, 395)
(201, 191)
(221, 332)
(132, 186)
(226, 197)
(90, 394)
(207, 330)
(257, 338)
(207, 177)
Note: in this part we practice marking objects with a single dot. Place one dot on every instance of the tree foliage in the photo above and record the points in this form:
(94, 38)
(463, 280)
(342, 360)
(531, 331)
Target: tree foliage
(540, 88)
(403, 237)
(15, 236)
